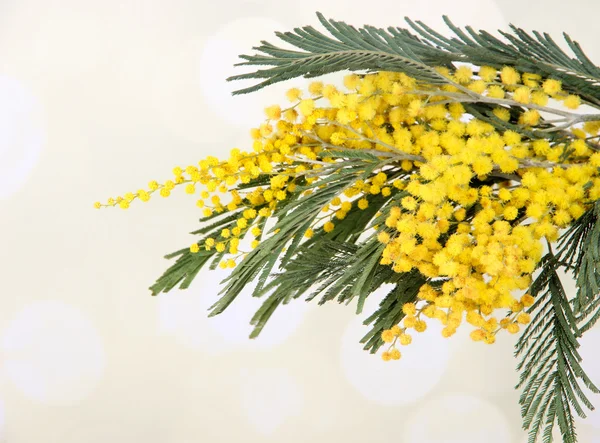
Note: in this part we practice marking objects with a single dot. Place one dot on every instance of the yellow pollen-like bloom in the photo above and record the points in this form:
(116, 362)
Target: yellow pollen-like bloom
(522, 95)
(509, 76)
(315, 88)
(539, 98)
(306, 107)
(463, 74)
(387, 336)
(273, 112)
(530, 117)
(487, 73)
(495, 91)
(449, 199)
(551, 86)
(572, 102)
(293, 94)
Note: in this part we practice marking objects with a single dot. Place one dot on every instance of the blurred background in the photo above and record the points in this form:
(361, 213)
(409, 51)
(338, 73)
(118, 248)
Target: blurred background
(99, 97)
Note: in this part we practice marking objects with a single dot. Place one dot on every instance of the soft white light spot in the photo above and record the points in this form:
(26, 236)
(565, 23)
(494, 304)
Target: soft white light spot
(491, 369)
(185, 315)
(21, 134)
(458, 419)
(269, 397)
(52, 353)
(423, 363)
(2, 420)
(176, 95)
(591, 366)
(221, 51)
(59, 41)
(233, 324)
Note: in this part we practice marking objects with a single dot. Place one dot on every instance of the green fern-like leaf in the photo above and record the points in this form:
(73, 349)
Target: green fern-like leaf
(390, 311)
(579, 252)
(335, 263)
(368, 49)
(550, 364)
(588, 272)
(398, 49)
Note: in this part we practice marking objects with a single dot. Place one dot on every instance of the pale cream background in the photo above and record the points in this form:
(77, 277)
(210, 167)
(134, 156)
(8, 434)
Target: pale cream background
(99, 97)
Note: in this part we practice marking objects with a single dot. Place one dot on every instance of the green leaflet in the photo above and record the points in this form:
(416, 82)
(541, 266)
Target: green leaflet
(294, 216)
(398, 49)
(579, 251)
(390, 312)
(343, 265)
(351, 49)
(550, 367)
(587, 273)
(352, 153)
(332, 262)
(187, 266)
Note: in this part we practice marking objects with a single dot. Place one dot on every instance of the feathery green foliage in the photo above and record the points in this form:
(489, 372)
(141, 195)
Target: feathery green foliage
(398, 49)
(587, 303)
(550, 366)
(343, 265)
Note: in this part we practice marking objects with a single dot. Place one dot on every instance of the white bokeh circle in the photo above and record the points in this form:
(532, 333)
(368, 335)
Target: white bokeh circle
(22, 134)
(492, 367)
(52, 353)
(591, 365)
(2, 421)
(176, 96)
(458, 418)
(184, 315)
(270, 396)
(423, 363)
(56, 41)
(216, 63)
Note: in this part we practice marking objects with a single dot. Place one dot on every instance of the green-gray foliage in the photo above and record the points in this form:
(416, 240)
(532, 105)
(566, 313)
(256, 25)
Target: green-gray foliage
(343, 265)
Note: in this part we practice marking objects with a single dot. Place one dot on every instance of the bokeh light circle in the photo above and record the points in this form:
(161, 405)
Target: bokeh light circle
(53, 353)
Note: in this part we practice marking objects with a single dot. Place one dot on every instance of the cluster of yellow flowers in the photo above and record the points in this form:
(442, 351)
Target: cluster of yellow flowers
(478, 239)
